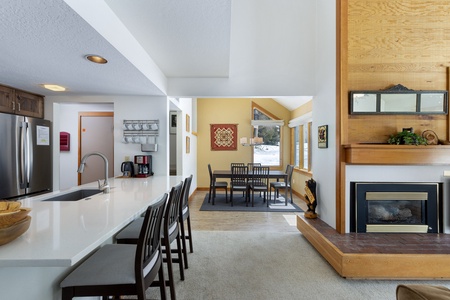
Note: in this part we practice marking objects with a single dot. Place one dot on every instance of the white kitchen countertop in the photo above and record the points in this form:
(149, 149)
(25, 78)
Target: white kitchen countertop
(62, 233)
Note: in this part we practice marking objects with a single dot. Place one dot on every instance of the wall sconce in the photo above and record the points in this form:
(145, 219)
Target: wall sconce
(253, 141)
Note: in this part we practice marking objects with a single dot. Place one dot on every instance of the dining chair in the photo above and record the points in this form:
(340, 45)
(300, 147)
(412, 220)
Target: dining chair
(239, 181)
(281, 185)
(251, 165)
(213, 185)
(250, 170)
(185, 217)
(259, 182)
(237, 164)
(170, 233)
(118, 269)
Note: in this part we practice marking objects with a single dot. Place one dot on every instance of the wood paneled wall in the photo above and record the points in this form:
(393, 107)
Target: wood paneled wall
(396, 42)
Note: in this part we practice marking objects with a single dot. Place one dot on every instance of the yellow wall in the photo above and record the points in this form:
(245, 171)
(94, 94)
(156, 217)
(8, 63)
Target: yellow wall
(231, 111)
(300, 111)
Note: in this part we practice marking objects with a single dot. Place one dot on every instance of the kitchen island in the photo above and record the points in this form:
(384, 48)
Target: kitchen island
(64, 233)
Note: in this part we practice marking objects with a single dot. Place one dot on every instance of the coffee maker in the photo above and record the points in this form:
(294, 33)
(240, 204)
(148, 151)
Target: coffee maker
(143, 165)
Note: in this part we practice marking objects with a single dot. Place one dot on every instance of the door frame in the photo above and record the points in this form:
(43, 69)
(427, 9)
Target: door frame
(89, 114)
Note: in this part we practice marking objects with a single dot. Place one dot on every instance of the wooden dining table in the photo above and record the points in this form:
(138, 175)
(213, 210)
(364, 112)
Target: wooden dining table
(273, 174)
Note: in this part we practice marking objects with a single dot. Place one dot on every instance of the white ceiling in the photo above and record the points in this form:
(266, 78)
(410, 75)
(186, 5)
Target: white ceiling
(45, 41)
(185, 38)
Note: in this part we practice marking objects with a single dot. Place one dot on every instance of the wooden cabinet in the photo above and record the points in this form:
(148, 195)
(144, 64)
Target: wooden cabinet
(29, 105)
(7, 101)
(21, 103)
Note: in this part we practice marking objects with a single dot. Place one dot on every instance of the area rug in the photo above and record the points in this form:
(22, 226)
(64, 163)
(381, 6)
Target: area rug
(239, 204)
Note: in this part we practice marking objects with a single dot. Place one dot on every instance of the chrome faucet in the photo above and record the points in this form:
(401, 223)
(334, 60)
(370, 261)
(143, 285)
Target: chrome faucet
(105, 186)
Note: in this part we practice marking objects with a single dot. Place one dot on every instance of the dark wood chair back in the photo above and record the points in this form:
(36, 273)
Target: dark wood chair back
(251, 165)
(171, 232)
(236, 164)
(213, 185)
(185, 216)
(239, 180)
(210, 174)
(171, 215)
(239, 176)
(289, 172)
(260, 176)
(149, 244)
(185, 196)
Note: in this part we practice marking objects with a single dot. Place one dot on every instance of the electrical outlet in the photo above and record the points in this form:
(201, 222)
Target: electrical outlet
(127, 158)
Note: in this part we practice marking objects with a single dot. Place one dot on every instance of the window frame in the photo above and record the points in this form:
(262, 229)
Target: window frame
(272, 117)
(300, 154)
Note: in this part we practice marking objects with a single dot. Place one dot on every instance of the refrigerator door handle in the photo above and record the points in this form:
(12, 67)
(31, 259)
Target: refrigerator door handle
(28, 156)
(23, 145)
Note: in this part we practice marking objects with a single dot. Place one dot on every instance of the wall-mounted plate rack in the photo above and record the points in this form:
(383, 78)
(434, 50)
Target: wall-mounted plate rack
(140, 127)
(142, 132)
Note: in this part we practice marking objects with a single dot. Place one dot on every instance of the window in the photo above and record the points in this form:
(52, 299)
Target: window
(301, 146)
(269, 153)
(306, 147)
(296, 146)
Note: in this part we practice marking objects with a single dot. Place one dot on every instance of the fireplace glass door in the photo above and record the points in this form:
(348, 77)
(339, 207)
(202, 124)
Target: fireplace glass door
(396, 211)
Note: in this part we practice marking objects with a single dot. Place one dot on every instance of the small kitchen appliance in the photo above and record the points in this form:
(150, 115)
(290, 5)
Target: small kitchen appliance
(127, 169)
(144, 165)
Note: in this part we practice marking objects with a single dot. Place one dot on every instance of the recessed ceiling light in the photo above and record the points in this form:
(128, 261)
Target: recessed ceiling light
(53, 87)
(96, 59)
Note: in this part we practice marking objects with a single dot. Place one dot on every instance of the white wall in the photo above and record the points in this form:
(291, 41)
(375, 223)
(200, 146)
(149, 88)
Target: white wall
(141, 108)
(282, 67)
(125, 108)
(186, 162)
(68, 113)
(324, 110)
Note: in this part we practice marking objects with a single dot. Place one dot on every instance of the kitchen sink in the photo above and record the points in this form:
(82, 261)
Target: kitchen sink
(75, 195)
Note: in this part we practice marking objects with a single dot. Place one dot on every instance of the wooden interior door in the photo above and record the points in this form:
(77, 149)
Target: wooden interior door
(96, 134)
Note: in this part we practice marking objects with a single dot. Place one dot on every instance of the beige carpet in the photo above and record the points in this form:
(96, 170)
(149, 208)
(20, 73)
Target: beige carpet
(246, 265)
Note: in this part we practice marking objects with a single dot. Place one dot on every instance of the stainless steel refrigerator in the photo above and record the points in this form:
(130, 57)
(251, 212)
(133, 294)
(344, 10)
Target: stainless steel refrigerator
(25, 156)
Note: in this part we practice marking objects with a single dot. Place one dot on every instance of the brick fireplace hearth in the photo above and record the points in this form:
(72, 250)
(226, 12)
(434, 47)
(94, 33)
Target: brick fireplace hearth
(380, 255)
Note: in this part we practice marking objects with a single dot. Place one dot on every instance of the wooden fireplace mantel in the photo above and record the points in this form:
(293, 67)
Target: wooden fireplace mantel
(384, 154)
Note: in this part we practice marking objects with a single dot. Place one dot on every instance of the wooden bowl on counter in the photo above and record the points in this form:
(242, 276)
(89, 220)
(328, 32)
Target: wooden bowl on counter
(12, 232)
(9, 218)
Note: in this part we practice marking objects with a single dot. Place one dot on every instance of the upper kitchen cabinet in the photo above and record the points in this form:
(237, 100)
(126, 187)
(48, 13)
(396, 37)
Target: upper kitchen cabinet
(21, 103)
(29, 105)
(7, 99)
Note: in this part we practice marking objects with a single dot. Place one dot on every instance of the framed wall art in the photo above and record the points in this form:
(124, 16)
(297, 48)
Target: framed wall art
(188, 144)
(323, 136)
(223, 137)
(188, 123)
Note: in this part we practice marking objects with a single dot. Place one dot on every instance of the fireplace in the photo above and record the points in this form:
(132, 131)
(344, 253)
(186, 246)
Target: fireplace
(396, 207)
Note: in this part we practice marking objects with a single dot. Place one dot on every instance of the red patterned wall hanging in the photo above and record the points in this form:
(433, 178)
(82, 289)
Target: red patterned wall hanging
(224, 137)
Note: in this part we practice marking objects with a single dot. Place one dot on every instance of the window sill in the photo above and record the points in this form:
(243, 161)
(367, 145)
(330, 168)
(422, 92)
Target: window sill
(303, 172)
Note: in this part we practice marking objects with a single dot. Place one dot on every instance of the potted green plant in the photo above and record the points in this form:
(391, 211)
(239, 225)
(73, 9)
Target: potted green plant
(407, 137)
